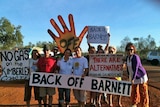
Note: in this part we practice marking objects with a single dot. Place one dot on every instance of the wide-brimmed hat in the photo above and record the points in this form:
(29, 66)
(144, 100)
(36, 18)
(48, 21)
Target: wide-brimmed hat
(113, 49)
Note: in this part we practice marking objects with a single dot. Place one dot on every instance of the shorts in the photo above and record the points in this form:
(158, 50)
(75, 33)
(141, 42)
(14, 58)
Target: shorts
(44, 91)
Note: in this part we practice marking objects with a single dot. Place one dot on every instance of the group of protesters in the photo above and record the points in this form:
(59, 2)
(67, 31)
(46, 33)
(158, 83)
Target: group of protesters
(79, 66)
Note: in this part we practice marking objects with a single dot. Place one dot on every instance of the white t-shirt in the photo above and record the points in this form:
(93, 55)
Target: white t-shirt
(66, 67)
(79, 64)
(136, 81)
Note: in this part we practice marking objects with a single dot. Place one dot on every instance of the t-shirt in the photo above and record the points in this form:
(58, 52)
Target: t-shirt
(66, 67)
(33, 65)
(79, 64)
(46, 64)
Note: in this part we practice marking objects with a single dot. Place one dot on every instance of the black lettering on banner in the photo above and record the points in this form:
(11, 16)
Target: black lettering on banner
(48, 79)
(81, 82)
(108, 84)
(36, 78)
(16, 55)
(76, 81)
(26, 54)
(58, 80)
(119, 87)
(70, 81)
(8, 63)
(129, 86)
(94, 84)
(43, 80)
(114, 86)
(123, 90)
(101, 85)
(7, 56)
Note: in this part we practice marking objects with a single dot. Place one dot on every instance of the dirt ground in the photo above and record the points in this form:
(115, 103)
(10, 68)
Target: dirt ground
(12, 95)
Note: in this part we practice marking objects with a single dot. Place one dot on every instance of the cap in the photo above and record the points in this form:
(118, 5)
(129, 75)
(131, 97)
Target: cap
(99, 46)
(46, 47)
(55, 48)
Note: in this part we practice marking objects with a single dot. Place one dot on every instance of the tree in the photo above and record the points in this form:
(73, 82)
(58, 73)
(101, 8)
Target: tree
(124, 43)
(136, 39)
(10, 35)
(151, 44)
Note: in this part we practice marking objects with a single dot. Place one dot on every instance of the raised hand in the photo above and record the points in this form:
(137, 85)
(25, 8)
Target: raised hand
(66, 38)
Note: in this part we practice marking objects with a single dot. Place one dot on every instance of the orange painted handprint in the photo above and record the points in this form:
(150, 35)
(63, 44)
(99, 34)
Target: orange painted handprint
(66, 38)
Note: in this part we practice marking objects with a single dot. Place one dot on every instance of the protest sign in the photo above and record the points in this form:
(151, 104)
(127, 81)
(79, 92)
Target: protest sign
(101, 85)
(98, 34)
(102, 65)
(66, 37)
(15, 64)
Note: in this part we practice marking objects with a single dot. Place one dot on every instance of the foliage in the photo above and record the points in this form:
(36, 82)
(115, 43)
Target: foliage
(40, 44)
(10, 35)
(143, 45)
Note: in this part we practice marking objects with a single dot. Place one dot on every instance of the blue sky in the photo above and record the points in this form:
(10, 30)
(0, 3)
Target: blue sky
(132, 18)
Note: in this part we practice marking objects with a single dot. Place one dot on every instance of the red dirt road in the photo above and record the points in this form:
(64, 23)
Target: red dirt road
(13, 95)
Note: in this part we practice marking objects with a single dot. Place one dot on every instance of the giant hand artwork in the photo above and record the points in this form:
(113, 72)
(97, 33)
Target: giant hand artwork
(66, 38)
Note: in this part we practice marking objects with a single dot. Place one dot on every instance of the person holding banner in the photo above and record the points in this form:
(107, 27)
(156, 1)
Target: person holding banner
(112, 50)
(28, 89)
(138, 76)
(80, 68)
(47, 64)
(91, 50)
(65, 66)
(99, 95)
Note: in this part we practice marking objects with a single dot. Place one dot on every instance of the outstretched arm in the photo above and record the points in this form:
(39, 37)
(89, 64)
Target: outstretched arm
(107, 44)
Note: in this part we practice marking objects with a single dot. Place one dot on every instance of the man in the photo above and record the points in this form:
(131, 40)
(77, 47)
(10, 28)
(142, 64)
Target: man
(46, 64)
(80, 68)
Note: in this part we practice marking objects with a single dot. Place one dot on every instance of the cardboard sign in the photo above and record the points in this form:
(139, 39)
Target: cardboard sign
(83, 83)
(15, 64)
(102, 65)
(98, 34)
(66, 37)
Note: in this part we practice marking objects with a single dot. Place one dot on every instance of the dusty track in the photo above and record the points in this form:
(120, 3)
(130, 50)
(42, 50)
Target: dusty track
(12, 95)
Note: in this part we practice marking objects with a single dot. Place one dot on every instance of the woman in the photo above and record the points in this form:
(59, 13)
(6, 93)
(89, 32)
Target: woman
(65, 66)
(138, 77)
(99, 95)
(33, 68)
(112, 50)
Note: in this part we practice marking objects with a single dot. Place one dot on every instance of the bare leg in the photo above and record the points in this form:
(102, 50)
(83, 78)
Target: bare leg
(119, 101)
(99, 99)
(110, 100)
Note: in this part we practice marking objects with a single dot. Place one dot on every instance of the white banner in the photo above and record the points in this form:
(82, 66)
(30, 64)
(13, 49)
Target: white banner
(83, 83)
(102, 65)
(15, 64)
(98, 34)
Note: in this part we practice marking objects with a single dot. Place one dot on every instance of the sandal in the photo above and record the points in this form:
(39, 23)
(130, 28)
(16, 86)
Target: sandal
(111, 105)
(120, 105)
(99, 105)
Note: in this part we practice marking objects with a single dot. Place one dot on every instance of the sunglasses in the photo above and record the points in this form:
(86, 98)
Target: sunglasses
(129, 49)
(110, 51)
